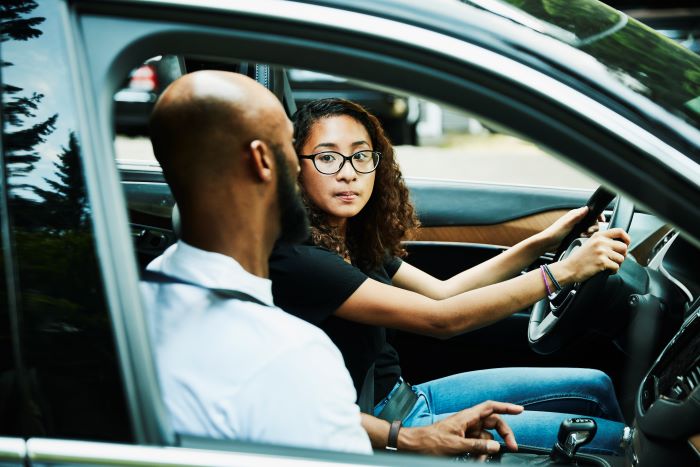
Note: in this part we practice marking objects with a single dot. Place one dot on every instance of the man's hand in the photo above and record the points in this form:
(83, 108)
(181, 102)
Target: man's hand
(463, 432)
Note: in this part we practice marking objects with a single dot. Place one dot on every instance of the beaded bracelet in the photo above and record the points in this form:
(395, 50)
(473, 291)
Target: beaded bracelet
(551, 277)
(544, 279)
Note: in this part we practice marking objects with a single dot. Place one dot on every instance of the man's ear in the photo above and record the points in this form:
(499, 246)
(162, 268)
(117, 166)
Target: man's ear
(261, 160)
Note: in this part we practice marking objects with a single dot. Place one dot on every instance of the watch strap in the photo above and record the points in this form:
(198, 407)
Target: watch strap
(393, 441)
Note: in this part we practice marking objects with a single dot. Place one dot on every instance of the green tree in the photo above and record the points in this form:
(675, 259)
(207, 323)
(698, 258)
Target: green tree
(17, 109)
(66, 201)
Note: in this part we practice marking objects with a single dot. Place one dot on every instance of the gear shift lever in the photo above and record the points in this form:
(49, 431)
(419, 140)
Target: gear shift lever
(573, 433)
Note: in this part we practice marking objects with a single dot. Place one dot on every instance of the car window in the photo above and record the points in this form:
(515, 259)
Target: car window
(432, 140)
(453, 145)
(70, 386)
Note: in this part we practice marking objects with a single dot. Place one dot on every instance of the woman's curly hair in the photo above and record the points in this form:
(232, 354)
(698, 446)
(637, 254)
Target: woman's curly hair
(387, 219)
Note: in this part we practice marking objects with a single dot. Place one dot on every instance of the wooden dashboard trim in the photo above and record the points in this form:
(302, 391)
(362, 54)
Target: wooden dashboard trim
(504, 234)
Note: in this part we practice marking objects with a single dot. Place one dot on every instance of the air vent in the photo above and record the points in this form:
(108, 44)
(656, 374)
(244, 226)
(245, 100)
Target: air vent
(686, 383)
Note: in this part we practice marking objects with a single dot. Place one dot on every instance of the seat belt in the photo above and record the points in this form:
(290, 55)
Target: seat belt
(366, 397)
(289, 101)
(160, 278)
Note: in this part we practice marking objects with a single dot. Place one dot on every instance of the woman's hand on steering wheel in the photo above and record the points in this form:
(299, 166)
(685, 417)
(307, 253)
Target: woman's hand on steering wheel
(603, 251)
(553, 235)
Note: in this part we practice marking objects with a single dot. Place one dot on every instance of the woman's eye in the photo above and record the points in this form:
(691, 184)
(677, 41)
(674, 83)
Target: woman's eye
(360, 156)
(325, 158)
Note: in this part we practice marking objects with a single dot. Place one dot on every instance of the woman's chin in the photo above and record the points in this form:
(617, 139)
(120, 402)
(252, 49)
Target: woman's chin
(345, 211)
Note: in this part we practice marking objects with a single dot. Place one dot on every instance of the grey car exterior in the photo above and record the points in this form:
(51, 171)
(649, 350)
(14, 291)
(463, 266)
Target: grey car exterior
(78, 373)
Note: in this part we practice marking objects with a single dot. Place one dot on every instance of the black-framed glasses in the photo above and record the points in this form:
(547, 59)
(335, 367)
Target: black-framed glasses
(331, 162)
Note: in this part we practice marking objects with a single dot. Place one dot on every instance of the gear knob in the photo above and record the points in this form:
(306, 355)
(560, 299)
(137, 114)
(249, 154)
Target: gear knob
(573, 433)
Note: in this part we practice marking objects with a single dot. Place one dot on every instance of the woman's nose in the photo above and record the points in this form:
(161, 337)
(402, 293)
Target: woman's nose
(347, 172)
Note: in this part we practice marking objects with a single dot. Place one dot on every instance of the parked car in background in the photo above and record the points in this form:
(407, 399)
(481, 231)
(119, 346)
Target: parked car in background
(134, 102)
(398, 114)
(78, 384)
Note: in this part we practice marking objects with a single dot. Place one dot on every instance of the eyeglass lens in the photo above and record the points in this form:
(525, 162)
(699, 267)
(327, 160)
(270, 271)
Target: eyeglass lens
(330, 162)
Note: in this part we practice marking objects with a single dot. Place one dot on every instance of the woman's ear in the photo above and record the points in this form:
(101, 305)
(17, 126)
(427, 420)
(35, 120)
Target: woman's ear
(261, 160)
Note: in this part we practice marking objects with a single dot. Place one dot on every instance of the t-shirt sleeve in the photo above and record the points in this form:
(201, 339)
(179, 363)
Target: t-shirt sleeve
(311, 282)
(392, 264)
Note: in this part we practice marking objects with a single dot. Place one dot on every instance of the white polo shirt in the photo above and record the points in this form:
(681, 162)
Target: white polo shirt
(239, 370)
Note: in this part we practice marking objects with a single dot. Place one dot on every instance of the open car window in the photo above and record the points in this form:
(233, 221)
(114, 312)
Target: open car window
(432, 140)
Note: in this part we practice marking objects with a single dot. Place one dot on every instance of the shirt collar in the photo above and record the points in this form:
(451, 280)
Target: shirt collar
(213, 270)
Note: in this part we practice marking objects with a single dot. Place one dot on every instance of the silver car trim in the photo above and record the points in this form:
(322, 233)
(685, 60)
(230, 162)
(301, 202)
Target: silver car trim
(149, 419)
(475, 56)
(13, 450)
(42, 450)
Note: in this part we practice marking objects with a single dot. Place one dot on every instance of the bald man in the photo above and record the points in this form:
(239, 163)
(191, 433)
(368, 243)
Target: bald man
(231, 364)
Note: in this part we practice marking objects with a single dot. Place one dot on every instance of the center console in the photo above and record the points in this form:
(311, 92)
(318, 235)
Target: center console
(666, 428)
(667, 406)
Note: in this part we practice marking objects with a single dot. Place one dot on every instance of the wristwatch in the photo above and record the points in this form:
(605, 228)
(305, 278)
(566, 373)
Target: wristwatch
(393, 441)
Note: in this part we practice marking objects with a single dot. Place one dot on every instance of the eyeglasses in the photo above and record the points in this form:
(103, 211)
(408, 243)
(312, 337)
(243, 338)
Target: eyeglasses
(331, 162)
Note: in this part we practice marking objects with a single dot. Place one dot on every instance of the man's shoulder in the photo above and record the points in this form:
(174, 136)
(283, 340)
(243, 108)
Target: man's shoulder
(291, 330)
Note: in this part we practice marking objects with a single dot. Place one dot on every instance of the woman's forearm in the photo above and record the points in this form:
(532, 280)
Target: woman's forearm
(480, 307)
(380, 304)
(497, 269)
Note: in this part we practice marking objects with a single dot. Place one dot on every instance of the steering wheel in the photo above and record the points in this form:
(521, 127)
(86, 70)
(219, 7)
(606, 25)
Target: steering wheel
(553, 323)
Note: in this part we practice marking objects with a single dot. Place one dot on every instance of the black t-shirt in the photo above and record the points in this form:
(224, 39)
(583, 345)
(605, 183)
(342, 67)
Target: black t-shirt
(312, 282)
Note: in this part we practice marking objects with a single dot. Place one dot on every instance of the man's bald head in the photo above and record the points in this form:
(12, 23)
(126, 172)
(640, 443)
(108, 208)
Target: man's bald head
(204, 121)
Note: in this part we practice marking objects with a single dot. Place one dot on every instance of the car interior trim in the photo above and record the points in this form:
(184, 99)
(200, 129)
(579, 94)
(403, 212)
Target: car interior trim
(12, 449)
(506, 234)
(677, 283)
(48, 451)
(644, 251)
(694, 442)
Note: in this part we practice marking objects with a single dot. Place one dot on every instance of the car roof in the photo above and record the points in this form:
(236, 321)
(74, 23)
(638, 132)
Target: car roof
(570, 54)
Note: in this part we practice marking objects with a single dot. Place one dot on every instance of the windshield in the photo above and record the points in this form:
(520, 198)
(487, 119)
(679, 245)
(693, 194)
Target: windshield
(649, 64)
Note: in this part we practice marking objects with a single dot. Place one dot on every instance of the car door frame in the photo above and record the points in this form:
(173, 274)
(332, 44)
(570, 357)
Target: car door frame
(442, 67)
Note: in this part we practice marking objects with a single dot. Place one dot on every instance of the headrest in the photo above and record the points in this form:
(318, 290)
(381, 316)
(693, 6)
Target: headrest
(175, 220)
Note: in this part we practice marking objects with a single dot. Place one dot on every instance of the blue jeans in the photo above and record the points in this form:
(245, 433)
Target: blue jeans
(549, 395)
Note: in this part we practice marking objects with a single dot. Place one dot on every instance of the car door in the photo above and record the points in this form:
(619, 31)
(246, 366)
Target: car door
(313, 37)
(492, 208)
(59, 377)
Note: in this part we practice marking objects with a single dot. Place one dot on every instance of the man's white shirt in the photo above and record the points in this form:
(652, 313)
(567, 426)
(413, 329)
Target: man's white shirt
(236, 369)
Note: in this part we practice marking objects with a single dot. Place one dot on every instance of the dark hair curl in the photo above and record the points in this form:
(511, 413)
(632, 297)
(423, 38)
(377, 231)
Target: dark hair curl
(387, 219)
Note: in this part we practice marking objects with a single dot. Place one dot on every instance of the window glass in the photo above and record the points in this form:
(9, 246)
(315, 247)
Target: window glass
(433, 141)
(70, 385)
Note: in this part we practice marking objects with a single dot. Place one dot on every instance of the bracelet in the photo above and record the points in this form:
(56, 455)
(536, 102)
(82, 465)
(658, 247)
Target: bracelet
(393, 441)
(544, 279)
(551, 276)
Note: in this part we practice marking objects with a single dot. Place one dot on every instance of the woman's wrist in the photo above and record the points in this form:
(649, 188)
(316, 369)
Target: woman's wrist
(539, 244)
(562, 273)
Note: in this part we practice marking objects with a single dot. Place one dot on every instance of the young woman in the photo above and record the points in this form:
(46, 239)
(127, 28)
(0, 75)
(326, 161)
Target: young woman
(349, 280)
